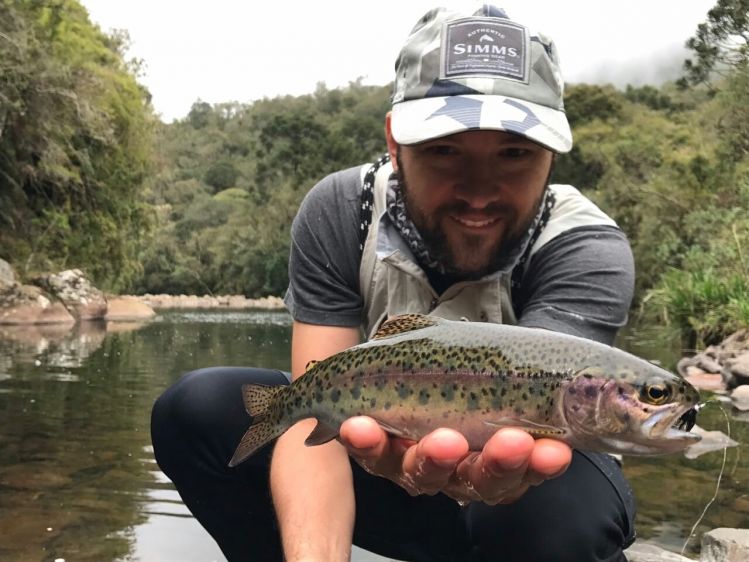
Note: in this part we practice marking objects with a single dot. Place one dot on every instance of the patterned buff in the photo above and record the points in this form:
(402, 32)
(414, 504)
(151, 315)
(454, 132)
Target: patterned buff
(396, 210)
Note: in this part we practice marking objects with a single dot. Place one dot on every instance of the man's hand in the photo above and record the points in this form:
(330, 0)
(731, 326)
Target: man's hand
(510, 462)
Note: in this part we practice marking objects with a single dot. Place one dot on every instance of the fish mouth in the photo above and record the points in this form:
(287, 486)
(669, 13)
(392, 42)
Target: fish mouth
(670, 428)
(686, 421)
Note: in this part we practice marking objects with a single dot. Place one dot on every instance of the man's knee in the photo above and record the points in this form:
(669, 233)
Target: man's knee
(584, 515)
(203, 413)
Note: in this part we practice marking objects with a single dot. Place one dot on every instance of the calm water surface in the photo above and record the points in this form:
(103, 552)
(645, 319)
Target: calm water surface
(77, 477)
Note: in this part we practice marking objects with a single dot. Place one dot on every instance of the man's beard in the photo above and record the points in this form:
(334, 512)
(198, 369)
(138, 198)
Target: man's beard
(438, 244)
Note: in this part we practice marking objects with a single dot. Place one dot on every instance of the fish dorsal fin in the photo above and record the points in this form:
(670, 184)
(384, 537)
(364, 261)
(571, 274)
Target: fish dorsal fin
(403, 323)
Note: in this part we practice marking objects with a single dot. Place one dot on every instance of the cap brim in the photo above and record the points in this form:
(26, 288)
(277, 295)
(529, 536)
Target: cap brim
(420, 120)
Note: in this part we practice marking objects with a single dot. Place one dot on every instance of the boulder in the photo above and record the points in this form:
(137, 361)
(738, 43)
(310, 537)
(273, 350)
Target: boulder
(736, 370)
(127, 309)
(725, 545)
(740, 398)
(26, 304)
(7, 276)
(75, 291)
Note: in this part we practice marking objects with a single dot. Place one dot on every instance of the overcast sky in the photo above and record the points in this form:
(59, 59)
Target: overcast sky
(226, 50)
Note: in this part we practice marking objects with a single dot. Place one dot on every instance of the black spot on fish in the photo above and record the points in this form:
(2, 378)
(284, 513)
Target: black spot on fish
(404, 391)
(335, 395)
(387, 405)
(423, 397)
(590, 392)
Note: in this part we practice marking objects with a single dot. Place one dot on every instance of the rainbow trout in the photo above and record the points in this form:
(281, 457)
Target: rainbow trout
(419, 373)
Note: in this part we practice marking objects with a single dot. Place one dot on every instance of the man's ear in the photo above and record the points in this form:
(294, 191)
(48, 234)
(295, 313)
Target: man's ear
(392, 144)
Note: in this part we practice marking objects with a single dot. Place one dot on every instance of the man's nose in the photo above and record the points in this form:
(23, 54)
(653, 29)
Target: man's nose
(479, 188)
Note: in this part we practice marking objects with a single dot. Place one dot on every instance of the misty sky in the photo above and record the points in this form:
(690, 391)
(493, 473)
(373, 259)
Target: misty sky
(227, 50)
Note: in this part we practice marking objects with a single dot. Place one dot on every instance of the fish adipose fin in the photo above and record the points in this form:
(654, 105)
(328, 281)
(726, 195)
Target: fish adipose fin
(404, 323)
(321, 434)
(535, 429)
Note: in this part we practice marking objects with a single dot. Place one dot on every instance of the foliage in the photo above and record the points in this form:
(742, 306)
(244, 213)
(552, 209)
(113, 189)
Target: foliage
(74, 144)
(671, 166)
(204, 205)
(230, 178)
(720, 44)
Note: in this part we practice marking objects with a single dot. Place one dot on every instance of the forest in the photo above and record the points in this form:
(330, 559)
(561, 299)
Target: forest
(91, 178)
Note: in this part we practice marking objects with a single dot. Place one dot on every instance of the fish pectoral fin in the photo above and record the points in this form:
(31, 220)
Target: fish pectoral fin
(321, 434)
(534, 428)
(392, 430)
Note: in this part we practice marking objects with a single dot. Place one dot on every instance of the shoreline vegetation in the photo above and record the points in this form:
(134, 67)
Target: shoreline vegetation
(93, 180)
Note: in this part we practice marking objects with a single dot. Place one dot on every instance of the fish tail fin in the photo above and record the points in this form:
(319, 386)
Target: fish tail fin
(258, 401)
(258, 435)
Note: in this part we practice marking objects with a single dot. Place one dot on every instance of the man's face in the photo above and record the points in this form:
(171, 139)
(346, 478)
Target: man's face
(472, 195)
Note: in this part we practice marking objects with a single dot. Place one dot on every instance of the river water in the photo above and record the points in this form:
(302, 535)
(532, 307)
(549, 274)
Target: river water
(77, 477)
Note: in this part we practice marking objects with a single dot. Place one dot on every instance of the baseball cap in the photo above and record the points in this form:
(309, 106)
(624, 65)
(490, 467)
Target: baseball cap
(460, 71)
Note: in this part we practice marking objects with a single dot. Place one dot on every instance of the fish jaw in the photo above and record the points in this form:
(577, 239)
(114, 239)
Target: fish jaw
(607, 414)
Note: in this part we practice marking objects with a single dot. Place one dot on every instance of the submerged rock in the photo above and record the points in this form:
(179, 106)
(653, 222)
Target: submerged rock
(127, 309)
(711, 441)
(649, 552)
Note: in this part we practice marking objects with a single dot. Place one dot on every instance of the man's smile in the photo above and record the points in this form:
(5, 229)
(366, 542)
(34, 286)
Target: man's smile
(475, 221)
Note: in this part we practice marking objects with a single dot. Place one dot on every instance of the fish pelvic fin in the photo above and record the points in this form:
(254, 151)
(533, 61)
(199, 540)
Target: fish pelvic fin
(404, 323)
(258, 435)
(321, 434)
(258, 398)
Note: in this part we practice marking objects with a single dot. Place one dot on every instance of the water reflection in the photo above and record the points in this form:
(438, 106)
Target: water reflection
(77, 475)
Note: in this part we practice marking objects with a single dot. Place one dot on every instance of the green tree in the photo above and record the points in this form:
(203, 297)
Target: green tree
(720, 44)
(75, 130)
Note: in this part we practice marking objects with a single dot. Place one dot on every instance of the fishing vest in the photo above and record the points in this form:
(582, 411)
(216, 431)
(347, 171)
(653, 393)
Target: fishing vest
(392, 283)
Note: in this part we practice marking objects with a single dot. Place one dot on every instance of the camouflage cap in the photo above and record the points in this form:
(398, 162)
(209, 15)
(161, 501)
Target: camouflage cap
(463, 71)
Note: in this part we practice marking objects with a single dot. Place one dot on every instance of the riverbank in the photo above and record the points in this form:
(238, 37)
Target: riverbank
(225, 302)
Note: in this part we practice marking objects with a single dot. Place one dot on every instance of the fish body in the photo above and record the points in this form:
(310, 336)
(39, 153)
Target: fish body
(420, 373)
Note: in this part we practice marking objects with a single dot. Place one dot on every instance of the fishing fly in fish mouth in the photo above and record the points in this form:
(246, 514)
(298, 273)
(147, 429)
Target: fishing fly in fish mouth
(420, 373)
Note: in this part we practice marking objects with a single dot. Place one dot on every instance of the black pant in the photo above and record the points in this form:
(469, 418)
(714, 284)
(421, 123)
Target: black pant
(584, 515)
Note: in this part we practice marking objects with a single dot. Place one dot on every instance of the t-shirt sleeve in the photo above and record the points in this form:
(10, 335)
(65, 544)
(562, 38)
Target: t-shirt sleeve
(324, 255)
(580, 283)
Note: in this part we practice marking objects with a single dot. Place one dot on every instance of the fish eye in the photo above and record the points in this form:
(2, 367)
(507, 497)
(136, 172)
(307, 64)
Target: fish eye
(656, 393)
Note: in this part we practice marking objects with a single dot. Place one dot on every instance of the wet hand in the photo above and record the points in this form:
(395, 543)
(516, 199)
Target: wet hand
(509, 464)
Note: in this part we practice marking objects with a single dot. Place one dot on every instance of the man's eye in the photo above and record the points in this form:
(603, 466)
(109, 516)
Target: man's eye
(515, 152)
(441, 150)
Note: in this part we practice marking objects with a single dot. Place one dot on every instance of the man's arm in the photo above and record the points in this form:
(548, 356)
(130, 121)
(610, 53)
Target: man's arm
(311, 486)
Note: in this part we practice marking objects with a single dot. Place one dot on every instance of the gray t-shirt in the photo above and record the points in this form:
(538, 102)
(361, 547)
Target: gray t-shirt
(580, 283)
